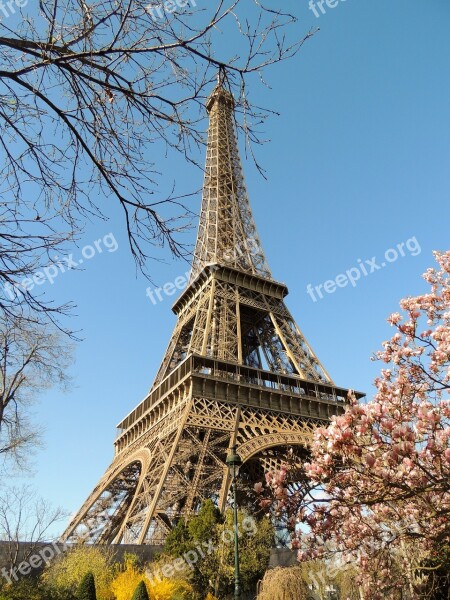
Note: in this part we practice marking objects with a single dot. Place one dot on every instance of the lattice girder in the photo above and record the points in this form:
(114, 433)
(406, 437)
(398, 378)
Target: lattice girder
(182, 473)
(239, 323)
(182, 456)
(237, 370)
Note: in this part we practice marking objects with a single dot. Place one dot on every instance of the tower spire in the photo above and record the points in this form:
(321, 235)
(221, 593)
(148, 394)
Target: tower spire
(227, 233)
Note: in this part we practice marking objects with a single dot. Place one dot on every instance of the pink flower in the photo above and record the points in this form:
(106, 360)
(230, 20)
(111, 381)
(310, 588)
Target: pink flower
(258, 487)
(370, 460)
(394, 318)
(447, 455)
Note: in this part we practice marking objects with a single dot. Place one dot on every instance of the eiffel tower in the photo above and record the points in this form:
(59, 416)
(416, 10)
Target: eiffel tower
(237, 370)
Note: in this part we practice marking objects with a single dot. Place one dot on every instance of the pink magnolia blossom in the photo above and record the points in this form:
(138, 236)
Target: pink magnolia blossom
(378, 478)
(258, 487)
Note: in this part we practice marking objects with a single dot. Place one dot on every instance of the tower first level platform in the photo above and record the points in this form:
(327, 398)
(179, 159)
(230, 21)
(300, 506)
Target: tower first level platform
(171, 449)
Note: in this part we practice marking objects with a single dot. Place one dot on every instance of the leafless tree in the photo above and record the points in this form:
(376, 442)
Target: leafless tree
(94, 93)
(32, 358)
(24, 517)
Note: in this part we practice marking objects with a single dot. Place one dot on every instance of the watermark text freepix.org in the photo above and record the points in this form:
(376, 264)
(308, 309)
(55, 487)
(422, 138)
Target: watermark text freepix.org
(247, 528)
(363, 269)
(155, 295)
(61, 265)
(35, 561)
(168, 289)
(168, 6)
(318, 5)
(9, 8)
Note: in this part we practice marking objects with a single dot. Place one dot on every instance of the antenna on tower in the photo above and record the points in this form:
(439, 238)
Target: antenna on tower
(221, 75)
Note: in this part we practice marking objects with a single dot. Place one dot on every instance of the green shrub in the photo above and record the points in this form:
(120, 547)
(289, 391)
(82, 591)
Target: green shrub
(140, 593)
(68, 570)
(86, 589)
(29, 589)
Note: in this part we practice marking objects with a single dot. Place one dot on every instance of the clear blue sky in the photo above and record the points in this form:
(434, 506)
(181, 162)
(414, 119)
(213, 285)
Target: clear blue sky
(357, 163)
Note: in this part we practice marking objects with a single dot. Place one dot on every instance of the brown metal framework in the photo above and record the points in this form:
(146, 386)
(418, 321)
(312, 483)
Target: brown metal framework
(237, 371)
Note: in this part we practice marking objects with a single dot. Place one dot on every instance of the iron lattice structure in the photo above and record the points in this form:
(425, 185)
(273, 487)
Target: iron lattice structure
(237, 371)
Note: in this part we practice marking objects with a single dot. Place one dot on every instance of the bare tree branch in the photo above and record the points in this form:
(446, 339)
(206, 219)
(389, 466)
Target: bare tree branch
(94, 94)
